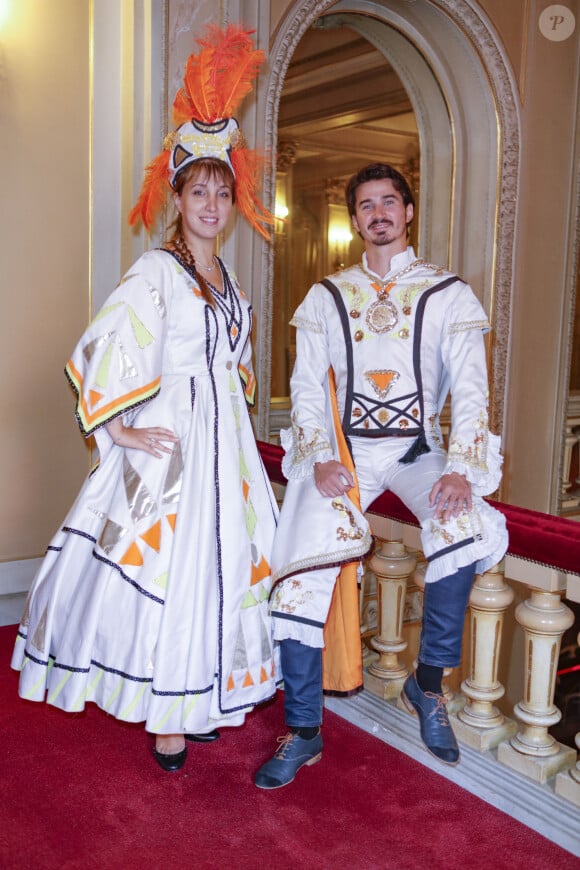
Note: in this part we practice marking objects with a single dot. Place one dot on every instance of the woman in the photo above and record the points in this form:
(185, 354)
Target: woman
(152, 599)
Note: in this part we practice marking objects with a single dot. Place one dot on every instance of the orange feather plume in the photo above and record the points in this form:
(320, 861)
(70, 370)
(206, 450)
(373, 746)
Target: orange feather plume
(247, 165)
(219, 76)
(216, 81)
(152, 197)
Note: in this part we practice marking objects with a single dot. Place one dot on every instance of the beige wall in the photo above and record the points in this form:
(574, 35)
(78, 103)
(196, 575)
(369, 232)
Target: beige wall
(542, 287)
(44, 244)
(44, 256)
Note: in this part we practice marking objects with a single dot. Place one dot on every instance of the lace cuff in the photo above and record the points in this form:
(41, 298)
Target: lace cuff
(480, 461)
(302, 451)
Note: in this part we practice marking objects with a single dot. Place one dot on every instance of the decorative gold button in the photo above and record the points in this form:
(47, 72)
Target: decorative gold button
(359, 335)
(383, 416)
(357, 412)
(403, 333)
(407, 310)
(354, 313)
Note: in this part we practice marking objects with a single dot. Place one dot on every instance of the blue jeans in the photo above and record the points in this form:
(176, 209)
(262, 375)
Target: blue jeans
(445, 603)
(302, 672)
(444, 606)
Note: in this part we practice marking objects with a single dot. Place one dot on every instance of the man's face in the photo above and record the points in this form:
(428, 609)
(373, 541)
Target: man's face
(380, 216)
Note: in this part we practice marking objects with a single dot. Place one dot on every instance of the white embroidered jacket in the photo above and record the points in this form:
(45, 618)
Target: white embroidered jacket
(411, 345)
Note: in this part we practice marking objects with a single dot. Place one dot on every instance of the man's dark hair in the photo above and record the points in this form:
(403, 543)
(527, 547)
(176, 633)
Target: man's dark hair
(375, 172)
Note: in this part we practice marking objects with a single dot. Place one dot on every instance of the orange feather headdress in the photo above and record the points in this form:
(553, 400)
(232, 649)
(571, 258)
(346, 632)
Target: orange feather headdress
(216, 80)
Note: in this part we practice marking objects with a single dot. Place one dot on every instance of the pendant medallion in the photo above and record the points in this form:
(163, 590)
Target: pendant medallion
(381, 316)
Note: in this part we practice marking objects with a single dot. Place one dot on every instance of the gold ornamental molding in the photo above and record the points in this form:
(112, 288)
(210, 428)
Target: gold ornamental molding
(466, 19)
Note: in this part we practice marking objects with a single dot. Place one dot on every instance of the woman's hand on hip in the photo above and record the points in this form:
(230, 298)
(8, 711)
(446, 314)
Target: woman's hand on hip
(152, 439)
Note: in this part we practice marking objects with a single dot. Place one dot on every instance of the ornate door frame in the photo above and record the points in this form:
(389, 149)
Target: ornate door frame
(457, 44)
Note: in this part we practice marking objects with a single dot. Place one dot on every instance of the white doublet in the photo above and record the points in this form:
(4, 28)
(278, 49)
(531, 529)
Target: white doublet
(407, 357)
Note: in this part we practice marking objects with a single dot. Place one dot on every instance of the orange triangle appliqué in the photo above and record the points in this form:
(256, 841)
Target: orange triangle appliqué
(231, 684)
(263, 676)
(381, 379)
(152, 536)
(132, 556)
(248, 681)
(260, 571)
(94, 398)
(171, 519)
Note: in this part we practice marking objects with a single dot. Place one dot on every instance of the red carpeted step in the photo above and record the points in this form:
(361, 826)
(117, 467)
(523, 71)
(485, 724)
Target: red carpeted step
(82, 791)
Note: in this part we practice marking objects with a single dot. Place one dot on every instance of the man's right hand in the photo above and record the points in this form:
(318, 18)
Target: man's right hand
(332, 478)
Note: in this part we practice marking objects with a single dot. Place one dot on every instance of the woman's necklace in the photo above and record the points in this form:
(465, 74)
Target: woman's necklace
(182, 248)
(207, 268)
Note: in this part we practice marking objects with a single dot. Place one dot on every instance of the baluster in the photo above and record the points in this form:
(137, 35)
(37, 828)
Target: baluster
(533, 751)
(568, 500)
(481, 725)
(368, 615)
(568, 781)
(392, 565)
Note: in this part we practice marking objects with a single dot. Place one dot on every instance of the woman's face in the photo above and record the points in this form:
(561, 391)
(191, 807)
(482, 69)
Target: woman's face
(204, 203)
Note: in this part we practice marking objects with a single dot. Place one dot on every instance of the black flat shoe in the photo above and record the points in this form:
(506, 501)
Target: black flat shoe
(170, 762)
(203, 738)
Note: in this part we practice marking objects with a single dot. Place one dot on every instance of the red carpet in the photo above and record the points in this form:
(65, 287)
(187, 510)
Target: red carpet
(82, 791)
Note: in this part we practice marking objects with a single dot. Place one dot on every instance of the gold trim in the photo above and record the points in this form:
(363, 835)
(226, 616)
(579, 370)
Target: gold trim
(326, 560)
(524, 54)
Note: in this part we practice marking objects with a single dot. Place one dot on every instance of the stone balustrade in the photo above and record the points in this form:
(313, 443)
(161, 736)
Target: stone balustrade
(541, 570)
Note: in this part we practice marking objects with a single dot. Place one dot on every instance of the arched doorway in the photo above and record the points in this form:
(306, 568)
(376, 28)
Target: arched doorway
(342, 106)
(468, 180)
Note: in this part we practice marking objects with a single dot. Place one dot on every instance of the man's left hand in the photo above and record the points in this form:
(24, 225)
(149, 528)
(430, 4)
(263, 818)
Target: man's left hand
(452, 495)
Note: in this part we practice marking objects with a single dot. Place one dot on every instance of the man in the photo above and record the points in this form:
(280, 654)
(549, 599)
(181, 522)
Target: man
(383, 343)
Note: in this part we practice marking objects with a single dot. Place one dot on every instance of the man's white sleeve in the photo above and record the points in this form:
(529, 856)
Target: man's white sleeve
(473, 450)
(308, 440)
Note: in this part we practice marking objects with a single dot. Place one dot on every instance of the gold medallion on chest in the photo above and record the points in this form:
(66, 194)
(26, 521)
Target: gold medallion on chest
(381, 316)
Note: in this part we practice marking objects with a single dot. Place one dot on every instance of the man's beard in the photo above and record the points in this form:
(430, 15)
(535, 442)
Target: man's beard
(380, 236)
(384, 236)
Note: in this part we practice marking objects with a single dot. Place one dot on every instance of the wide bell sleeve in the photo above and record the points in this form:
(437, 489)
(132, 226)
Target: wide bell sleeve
(308, 440)
(246, 372)
(473, 450)
(116, 366)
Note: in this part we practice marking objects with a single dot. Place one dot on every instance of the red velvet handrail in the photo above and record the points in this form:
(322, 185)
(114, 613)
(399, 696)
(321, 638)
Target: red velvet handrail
(537, 537)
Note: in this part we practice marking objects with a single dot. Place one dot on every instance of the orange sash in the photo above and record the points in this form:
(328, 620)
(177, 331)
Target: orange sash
(342, 655)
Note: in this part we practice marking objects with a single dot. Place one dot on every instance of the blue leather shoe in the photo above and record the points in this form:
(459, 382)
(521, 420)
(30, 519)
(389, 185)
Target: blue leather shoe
(293, 753)
(436, 731)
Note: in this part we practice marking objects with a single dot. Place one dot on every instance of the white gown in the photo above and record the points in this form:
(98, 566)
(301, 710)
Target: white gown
(152, 600)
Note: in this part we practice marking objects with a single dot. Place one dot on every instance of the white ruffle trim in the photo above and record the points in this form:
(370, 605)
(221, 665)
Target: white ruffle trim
(288, 629)
(486, 552)
(485, 477)
(293, 469)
